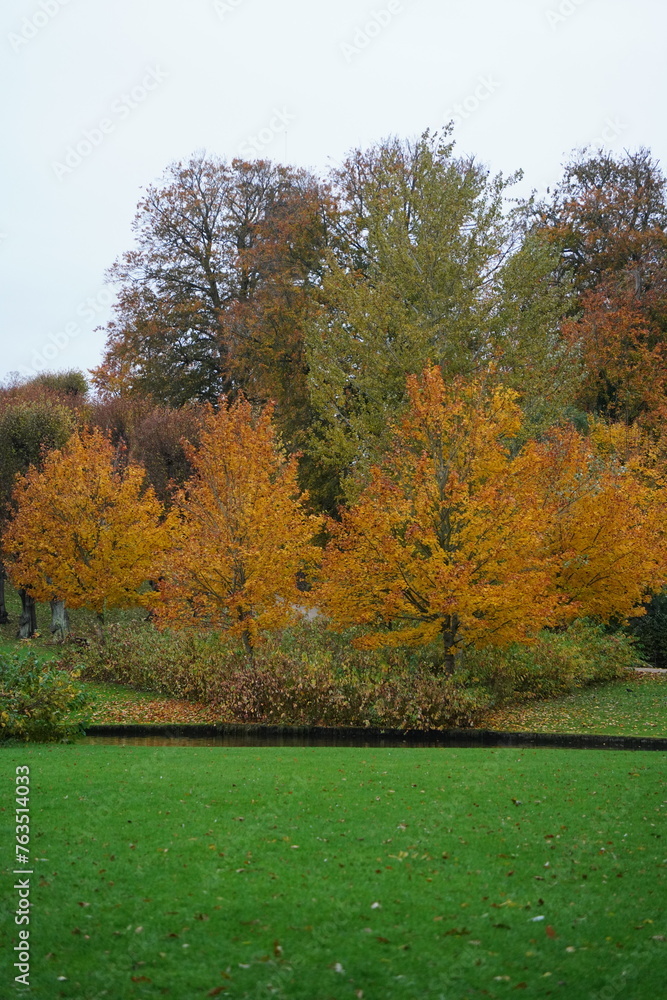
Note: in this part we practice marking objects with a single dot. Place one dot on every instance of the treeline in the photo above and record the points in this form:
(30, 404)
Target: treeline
(461, 394)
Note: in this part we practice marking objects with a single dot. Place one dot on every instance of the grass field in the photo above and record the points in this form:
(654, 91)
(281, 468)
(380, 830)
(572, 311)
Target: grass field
(326, 874)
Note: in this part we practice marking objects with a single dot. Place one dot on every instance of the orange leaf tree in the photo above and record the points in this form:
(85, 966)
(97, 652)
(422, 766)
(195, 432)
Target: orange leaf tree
(604, 514)
(84, 530)
(608, 219)
(446, 539)
(244, 533)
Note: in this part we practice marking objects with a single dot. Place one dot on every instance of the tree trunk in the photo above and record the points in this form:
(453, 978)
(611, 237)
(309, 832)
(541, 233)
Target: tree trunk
(247, 645)
(28, 619)
(4, 617)
(450, 630)
(59, 620)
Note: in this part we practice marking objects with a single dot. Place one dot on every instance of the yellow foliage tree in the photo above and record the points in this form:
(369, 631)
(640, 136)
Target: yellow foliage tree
(84, 530)
(244, 533)
(604, 520)
(446, 540)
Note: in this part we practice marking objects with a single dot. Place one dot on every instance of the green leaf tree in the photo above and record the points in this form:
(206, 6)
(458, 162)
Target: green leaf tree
(428, 263)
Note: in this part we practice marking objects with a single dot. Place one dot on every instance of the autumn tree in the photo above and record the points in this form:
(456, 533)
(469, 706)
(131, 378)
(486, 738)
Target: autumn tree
(151, 435)
(160, 444)
(213, 297)
(608, 220)
(36, 416)
(85, 530)
(243, 534)
(428, 261)
(446, 540)
(604, 504)
(621, 337)
(607, 215)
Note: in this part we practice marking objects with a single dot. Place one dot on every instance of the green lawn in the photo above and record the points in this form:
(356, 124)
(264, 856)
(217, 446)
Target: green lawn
(326, 874)
(625, 708)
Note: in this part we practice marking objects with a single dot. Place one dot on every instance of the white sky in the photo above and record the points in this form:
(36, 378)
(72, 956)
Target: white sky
(550, 76)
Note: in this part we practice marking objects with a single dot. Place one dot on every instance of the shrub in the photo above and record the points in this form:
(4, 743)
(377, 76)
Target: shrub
(283, 691)
(37, 700)
(559, 662)
(307, 677)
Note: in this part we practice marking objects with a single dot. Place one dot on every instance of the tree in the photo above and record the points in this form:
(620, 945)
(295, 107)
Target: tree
(212, 298)
(243, 535)
(152, 436)
(426, 263)
(608, 220)
(33, 420)
(446, 540)
(159, 444)
(85, 530)
(621, 338)
(607, 216)
(70, 385)
(604, 512)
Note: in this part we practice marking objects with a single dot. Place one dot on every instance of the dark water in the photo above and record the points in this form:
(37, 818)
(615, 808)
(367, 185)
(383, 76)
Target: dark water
(267, 741)
(319, 737)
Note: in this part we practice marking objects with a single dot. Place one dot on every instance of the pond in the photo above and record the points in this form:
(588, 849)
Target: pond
(320, 736)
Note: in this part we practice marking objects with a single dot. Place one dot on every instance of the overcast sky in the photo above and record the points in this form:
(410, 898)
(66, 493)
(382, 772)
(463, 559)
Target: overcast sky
(99, 96)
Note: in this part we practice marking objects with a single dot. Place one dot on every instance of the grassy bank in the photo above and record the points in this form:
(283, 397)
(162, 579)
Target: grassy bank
(631, 708)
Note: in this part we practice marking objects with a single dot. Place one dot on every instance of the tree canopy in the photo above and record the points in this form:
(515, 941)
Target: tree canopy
(84, 531)
(243, 534)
